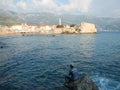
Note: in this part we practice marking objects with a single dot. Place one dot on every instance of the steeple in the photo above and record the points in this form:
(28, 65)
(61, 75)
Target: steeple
(60, 22)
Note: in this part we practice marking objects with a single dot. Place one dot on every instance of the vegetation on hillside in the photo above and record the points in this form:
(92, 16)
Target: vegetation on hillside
(7, 21)
(102, 23)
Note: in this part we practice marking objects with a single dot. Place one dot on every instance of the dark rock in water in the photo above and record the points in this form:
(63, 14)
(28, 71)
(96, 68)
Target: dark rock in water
(2, 45)
(84, 83)
(53, 35)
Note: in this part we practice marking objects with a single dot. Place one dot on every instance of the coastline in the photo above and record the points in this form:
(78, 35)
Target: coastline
(37, 33)
(18, 33)
(24, 29)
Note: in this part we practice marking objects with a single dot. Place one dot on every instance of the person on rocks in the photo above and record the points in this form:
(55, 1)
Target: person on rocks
(73, 74)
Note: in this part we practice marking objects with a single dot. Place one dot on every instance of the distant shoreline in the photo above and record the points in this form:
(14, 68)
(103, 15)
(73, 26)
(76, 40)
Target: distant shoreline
(24, 29)
(35, 33)
(18, 33)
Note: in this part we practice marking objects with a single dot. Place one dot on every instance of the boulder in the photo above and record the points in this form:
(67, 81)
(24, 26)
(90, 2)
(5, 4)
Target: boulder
(84, 83)
(85, 28)
(2, 45)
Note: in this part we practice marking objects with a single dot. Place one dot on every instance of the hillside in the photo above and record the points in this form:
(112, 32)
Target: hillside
(4, 20)
(102, 23)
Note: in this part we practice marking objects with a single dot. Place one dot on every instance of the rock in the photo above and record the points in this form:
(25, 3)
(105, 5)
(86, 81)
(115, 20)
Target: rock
(67, 32)
(85, 28)
(84, 83)
(2, 45)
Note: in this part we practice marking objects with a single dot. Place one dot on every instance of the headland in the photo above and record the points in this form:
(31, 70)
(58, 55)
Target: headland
(23, 29)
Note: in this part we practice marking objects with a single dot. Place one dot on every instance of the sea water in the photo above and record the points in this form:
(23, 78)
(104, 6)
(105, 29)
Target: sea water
(40, 62)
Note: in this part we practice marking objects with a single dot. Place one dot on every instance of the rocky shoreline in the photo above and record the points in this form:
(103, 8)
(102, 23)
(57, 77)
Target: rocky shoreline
(24, 29)
(84, 83)
(2, 34)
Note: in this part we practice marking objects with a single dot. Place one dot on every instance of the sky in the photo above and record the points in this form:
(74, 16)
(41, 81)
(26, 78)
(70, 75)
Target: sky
(107, 8)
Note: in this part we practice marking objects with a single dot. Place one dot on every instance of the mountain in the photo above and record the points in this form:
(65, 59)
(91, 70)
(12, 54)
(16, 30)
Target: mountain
(7, 21)
(102, 23)
(50, 18)
(9, 18)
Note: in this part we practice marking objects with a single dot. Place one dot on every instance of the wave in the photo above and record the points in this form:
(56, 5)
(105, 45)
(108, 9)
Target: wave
(106, 83)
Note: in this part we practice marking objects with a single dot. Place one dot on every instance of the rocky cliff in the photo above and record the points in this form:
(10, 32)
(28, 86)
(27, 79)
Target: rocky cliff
(84, 83)
(85, 28)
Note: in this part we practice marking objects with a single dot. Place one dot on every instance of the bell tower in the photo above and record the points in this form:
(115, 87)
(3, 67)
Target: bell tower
(60, 22)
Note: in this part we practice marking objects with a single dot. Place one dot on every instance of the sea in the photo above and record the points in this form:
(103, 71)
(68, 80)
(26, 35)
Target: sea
(40, 62)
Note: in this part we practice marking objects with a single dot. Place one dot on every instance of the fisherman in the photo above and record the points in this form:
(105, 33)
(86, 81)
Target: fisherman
(73, 74)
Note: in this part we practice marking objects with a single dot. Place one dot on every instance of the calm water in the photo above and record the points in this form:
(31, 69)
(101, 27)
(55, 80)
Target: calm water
(39, 62)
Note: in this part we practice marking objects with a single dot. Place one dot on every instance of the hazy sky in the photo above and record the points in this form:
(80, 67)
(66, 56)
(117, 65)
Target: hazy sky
(87, 7)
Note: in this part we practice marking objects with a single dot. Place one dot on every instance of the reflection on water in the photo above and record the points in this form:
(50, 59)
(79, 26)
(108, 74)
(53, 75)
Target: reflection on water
(40, 62)
(87, 45)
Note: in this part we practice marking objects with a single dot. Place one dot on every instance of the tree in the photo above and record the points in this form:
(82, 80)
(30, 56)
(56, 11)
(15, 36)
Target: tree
(59, 26)
(72, 25)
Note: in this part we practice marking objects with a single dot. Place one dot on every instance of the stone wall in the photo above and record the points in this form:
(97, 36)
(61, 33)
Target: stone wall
(85, 28)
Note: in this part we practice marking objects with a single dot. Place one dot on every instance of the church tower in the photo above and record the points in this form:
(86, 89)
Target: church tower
(60, 22)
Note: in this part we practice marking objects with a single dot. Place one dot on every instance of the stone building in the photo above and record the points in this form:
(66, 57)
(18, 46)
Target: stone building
(85, 28)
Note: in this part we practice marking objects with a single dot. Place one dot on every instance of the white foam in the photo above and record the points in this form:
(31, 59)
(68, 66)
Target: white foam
(105, 83)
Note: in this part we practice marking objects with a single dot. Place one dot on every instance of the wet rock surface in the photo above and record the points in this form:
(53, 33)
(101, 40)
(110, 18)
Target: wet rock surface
(84, 83)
